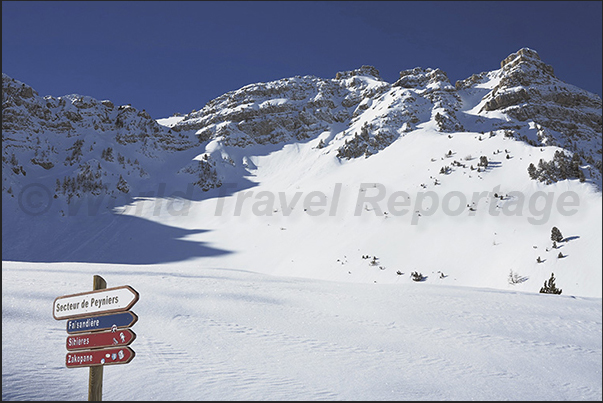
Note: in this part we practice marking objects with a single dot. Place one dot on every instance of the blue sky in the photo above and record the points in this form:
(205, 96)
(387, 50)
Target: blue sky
(169, 57)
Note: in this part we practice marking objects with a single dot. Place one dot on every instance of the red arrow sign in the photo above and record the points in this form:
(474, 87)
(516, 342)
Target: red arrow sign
(100, 339)
(107, 356)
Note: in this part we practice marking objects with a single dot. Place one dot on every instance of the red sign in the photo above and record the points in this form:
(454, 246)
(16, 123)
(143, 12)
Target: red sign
(100, 339)
(107, 356)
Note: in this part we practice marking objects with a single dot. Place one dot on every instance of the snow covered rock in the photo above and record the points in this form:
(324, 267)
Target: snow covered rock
(79, 145)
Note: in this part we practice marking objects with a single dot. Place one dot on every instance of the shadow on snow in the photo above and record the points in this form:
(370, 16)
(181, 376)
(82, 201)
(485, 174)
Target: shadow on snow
(103, 238)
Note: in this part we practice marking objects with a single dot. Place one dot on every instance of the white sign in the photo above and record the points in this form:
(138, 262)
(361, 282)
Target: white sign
(89, 303)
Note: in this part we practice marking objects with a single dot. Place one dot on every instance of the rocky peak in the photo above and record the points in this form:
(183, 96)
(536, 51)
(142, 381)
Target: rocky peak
(418, 78)
(362, 71)
(524, 68)
(13, 91)
(528, 89)
(526, 57)
(25, 112)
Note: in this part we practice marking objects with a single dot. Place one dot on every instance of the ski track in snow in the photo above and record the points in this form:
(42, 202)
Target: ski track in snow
(210, 334)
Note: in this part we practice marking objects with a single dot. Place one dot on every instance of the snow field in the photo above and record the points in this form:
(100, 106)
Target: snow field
(221, 334)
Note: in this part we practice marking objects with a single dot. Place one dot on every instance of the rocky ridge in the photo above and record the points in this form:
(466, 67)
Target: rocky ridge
(364, 114)
(88, 146)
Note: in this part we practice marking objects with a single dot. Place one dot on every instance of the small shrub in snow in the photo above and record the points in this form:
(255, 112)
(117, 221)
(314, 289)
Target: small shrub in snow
(515, 278)
(556, 235)
(550, 287)
(416, 276)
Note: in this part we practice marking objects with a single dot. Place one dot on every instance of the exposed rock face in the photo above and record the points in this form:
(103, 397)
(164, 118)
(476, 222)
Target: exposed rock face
(24, 112)
(526, 55)
(301, 108)
(295, 108)
(356, 114)
(362, 71)
(88, 146)
(203, 173)
(376, 113)
(435, 86)
(529, 90)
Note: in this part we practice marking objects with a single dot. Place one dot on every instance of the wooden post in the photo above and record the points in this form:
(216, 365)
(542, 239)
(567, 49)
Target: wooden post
(95, 382)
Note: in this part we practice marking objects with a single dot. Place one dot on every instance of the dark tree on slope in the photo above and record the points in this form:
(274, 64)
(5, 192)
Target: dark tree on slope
(122, 185)
(550, 287)
(367, 143)
(532, 171)
(561, 167)
(556, 235)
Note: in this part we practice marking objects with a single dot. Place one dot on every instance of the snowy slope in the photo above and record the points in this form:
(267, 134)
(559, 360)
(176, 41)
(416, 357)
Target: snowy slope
(269, 234)
(215, 334)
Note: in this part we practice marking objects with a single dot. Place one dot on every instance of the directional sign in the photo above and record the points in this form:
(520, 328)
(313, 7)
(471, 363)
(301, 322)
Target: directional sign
(106, 356)
(103, 322)
(100, 340)
(94, 302)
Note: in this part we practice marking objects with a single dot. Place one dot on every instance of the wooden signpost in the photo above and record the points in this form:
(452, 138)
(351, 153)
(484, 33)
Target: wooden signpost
(98, 329)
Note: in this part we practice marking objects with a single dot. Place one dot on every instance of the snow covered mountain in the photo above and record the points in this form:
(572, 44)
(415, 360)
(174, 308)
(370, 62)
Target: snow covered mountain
(78, 141)
(350, 178)
(523, 99)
